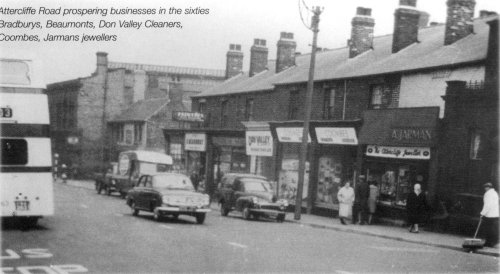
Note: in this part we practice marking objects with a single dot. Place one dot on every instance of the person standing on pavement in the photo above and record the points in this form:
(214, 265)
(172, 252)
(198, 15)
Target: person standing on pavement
(362, 191)
(372, 199)
(416, 207)
(490, 215)
(346, 198)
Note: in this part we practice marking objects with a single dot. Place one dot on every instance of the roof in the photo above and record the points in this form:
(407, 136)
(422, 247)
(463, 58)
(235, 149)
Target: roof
(150, 156)
(400, 127)
(141, 110)
(169, 69)
(429, 52)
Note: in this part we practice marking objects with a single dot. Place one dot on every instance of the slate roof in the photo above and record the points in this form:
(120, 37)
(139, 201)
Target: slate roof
(141, 110)
(429, 52)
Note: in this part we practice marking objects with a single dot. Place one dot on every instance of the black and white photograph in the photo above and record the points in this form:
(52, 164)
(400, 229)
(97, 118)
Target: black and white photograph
(249, 136)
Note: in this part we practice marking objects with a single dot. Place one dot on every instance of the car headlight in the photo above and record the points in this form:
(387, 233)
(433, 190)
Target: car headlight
(283, 202)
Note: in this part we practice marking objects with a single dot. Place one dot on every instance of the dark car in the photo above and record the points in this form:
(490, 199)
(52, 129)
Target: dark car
(168, 194)
(250, 194)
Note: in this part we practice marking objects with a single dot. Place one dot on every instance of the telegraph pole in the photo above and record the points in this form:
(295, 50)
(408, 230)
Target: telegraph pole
(305, 132)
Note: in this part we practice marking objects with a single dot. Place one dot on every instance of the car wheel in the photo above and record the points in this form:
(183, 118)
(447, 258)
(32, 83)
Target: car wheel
(108, 191)
(223, 210)
(123, 195)
(135, 211)
(255, 216)
(200, 218)
(100, 188)
(175, 216)
(246, 213)
(280, 218)
(157, 216)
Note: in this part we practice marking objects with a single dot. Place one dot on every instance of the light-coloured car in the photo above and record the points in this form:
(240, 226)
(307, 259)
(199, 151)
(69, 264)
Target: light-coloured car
(168, 194)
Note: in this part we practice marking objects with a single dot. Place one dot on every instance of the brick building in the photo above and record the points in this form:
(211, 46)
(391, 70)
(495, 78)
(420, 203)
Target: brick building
(120, 106)
(397, 80)
(471, 121)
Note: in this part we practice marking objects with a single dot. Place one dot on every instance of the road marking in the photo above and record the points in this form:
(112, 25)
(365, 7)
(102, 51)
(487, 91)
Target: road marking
(237, 245)
(84, 206)
(119, 215)
(166, 227)
(404, 249)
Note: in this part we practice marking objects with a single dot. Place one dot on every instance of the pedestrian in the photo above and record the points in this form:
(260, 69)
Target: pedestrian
(195, 179)
(372, 199)
(362, 191)
(489, 216)
(346, 198)
(416, 208)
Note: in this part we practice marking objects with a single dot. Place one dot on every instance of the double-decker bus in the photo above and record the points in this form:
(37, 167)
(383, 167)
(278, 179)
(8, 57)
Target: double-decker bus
(26, 181)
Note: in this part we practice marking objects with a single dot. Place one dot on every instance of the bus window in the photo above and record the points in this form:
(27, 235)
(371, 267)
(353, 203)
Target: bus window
(14, 152)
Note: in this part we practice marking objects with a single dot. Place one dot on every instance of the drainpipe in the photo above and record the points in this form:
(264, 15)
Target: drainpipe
(345, 99)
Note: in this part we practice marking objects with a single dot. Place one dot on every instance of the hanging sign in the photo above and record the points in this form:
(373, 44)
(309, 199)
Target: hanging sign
(291, 134)
(336, 135)
(195, 142)
(259, 143)
(422, 153)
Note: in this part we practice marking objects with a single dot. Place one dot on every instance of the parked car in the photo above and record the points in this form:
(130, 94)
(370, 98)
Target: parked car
(123, 175)
(168, 194)
(251, 195)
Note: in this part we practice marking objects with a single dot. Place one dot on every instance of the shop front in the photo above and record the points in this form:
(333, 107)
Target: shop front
(289, 137)
(399, 152)
(336, 150)
(260, 149)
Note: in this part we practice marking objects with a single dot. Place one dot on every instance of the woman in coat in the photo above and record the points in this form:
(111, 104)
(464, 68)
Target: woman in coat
(416, 207)
(346, 199)
(372, 200)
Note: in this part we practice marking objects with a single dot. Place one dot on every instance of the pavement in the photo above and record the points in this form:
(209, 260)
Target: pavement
(398, 233)
(393, 232)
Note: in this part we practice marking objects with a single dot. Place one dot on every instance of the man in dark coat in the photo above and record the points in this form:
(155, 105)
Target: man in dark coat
(362, 192)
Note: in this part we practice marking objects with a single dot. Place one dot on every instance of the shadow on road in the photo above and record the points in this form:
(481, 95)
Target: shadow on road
(20, 224)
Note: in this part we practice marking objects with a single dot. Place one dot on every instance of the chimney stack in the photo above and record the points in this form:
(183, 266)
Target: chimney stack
(459, 20)
(102, 63)
(286, 52)
(361, 32)
(406, 23)
(234, 61)
(258, 57)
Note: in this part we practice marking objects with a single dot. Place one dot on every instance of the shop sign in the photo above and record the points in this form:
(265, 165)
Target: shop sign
(336, 135)
(186, 116)
(291, 134)
(195, 142)
(421, 153)
(228, 141)
(259, 143)
(123, 164)
(411, 135)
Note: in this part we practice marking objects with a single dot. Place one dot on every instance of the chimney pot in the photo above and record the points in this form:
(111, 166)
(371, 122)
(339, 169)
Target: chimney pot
(406, 24)
(361, 32)
(459, 18)
(234, 61)
(258, 57)
(286, 52)
(101, 62)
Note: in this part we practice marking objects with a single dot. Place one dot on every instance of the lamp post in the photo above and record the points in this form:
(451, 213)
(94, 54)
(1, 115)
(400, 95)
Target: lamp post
(305, 132)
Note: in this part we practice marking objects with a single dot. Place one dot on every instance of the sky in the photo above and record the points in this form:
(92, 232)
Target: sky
(203, 40)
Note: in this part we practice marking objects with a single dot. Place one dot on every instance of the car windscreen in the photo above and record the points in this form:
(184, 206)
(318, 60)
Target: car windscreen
(172, 181)
(152, 168)
(252, 184)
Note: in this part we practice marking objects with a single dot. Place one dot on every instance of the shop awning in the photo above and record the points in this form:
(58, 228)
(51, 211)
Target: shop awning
(415, 127)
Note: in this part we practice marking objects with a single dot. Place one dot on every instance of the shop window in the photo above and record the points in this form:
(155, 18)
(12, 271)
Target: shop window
(293, 105)
(137, 133)
(396, 180)
(249, 109)
(202, 107)
(119, 133)
(328, 103)
(223, 114)
(176, 151)
(477, 145)
(376, 94)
